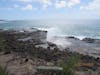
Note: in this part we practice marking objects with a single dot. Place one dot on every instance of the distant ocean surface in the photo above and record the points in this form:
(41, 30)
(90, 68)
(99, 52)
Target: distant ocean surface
(78, 28)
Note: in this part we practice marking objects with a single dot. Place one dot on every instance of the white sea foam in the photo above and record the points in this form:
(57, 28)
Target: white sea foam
(80, 37)
(52, 34)
(61, 42)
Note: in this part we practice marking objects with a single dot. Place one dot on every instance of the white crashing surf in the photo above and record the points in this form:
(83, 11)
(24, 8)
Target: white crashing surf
(52, 34)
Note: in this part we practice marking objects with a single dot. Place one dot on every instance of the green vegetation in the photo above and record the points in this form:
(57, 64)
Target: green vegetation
(2, 44)
(3, 71)
(70, 65)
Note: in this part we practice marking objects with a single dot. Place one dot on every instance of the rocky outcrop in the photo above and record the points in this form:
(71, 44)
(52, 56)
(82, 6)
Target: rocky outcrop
(32, 35)
(72, 37)
(90, 40)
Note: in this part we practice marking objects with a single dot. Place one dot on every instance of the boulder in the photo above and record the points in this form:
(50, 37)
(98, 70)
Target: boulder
(91, 40)
(72, 37)
(88, 40)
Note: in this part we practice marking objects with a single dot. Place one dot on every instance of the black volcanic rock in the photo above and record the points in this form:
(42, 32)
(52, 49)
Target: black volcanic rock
(91, 40)
(88, 40)
(33, 35)
(72, 37)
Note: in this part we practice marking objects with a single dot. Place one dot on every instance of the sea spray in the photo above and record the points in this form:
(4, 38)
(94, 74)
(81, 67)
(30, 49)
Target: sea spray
(61, 42)
(54, 36)
(52, 32)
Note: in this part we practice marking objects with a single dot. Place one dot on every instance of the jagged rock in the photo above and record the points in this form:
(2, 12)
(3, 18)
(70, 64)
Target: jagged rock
(91, 40)
(72, 37)
(88, 40)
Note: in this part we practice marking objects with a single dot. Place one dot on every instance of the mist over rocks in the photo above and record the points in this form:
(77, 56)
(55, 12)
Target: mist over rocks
(77, 45)
(61, 42)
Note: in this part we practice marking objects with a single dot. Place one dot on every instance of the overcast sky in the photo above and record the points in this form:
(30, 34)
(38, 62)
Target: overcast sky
(49, 9)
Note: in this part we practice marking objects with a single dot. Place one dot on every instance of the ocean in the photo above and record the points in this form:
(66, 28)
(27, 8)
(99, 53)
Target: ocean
(77, 28)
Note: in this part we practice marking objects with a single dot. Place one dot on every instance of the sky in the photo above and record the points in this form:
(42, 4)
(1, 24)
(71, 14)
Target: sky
(49, 9)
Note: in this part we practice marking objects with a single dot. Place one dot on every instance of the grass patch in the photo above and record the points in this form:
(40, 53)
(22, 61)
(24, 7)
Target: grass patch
(3, 71)
(2, 44)
(70, 65)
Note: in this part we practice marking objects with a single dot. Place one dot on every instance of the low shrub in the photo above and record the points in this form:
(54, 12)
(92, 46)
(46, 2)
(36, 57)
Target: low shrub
(3, 71)
(70, 65)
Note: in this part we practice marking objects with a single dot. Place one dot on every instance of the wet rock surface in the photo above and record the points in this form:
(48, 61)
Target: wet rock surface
(79, 46)
(90, 40)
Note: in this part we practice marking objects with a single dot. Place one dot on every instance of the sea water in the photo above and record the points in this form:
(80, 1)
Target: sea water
(77, 28)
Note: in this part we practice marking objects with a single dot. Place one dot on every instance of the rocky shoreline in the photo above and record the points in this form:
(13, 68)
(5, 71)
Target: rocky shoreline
(24, 50)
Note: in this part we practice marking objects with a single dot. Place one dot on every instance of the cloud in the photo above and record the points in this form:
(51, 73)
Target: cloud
(45, 3)
(94, 5)
(40, 1)
(57, 3)
(73, 2)
(27, 7)
(60, 4)
(19, 7)
(66, 3)
(44, 6)
(25, 0)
